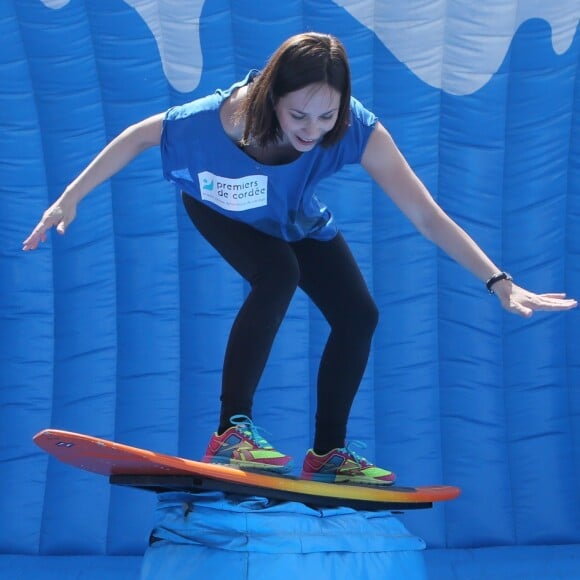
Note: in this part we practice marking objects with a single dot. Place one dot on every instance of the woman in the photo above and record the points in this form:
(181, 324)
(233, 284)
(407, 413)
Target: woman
(248, 160)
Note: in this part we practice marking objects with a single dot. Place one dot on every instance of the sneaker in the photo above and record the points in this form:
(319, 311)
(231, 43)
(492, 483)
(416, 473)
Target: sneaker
(242, 446)
(343, 465)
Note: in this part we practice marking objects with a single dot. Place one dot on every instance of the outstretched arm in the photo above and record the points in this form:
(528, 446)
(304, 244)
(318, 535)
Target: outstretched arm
(116, 155)
(387, 166)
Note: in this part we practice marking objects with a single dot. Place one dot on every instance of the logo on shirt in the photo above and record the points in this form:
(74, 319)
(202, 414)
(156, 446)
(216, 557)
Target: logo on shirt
(239, 194)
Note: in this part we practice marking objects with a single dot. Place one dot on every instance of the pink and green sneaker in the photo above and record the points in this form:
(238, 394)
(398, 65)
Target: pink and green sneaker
(342, 465)
(242, 446)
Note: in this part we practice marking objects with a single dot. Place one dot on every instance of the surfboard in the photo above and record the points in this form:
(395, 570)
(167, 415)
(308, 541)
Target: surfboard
(144, 469)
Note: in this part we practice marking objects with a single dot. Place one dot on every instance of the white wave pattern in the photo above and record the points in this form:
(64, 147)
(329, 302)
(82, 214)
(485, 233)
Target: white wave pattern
(175, 26)
(453, 45)
(56, 4)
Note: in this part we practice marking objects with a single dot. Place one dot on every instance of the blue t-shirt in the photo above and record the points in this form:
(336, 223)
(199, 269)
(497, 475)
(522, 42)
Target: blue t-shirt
(279, 200)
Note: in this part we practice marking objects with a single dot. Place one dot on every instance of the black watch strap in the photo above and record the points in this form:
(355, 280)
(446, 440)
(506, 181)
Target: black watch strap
(496, 278)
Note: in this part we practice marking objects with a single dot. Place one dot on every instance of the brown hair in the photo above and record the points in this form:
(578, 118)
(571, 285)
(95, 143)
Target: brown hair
(303, 59)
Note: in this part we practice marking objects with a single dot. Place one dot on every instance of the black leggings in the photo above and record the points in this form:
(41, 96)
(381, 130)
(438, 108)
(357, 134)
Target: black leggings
(327, 272)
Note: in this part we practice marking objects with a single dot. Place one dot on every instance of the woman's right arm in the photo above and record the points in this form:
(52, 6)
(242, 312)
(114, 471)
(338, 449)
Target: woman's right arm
(116, 155)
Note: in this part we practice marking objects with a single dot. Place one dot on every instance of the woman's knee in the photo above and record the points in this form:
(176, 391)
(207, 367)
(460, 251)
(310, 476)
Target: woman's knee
(359, 317)
(368, 315)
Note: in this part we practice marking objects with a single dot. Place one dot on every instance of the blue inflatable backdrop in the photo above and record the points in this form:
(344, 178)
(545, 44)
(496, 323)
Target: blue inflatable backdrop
(118, 329)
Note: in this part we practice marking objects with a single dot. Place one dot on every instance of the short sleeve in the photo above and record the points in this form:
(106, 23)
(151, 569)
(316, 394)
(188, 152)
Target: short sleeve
(354, 142)
(183, 129)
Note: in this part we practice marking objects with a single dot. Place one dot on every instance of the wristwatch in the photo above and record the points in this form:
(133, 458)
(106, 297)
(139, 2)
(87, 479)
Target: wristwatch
(496, 278)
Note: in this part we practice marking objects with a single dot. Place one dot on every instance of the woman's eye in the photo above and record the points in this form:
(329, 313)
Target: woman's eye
(328, 117)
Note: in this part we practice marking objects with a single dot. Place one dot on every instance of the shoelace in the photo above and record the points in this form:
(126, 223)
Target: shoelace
(354, 455)
(247, 426)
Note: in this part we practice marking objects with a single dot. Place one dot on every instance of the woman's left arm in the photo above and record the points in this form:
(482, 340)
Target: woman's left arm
(386, 165)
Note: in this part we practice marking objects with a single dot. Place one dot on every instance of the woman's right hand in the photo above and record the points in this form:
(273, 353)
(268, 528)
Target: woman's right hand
(60, 214)
(116, 155)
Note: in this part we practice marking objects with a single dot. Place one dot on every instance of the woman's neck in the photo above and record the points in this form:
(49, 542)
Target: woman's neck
(278, 153)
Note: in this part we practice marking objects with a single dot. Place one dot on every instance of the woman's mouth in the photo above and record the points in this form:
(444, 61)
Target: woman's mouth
(305, 141)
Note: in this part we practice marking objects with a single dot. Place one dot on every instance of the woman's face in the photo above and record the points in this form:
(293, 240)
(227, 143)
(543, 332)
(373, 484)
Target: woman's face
(306, 115)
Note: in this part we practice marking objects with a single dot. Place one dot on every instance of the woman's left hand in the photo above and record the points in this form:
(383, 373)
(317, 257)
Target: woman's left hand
(524, 303)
